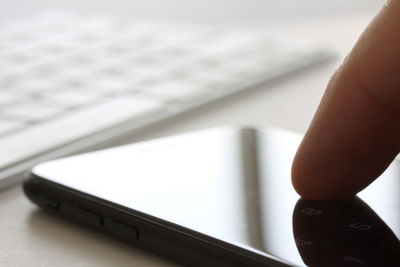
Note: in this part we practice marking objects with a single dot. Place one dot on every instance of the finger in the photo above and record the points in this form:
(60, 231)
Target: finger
(355, 133)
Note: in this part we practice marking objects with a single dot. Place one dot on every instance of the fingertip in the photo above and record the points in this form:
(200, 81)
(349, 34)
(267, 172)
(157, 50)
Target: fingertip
(351, 141)
(313, 186)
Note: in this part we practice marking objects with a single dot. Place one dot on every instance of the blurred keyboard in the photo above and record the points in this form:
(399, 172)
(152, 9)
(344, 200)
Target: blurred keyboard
(69, 82)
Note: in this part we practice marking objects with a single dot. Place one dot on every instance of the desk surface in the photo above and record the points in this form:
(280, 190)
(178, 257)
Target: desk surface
(31, 237)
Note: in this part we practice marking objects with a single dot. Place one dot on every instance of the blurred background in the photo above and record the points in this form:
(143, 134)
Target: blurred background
(197, 11)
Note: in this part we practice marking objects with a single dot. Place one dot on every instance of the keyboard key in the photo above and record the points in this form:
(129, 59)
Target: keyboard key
(31, 112)
(7, 97)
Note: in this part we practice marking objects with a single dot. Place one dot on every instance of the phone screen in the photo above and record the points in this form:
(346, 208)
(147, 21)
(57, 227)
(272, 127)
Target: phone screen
(234, 185)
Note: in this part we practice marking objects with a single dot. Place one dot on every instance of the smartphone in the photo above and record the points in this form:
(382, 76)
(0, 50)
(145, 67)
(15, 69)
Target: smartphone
(220, 197)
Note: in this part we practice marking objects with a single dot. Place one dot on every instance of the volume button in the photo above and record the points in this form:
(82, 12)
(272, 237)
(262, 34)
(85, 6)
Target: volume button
(82, 215)
(121, 229)
(88, 216)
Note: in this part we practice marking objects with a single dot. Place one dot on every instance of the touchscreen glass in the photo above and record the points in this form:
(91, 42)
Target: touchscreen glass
(234, 185)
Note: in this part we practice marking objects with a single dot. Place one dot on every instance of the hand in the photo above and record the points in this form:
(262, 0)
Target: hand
(355, 133)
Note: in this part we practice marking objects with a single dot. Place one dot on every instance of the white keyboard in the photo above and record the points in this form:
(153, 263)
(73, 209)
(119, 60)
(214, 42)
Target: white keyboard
(69, 82)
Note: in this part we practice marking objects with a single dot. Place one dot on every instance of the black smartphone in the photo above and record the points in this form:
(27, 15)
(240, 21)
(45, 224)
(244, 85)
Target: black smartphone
(221, 197)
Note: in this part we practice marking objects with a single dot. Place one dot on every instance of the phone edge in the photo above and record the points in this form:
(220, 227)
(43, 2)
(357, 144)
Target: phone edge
(152, 234)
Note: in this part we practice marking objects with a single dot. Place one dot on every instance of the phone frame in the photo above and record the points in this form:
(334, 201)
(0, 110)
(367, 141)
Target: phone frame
(166, 239)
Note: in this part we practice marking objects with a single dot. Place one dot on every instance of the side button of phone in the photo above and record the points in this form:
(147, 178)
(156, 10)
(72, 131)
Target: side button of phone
(88, 216)
(82, 215)
(48, 203)
(52, 204)
(121, 229)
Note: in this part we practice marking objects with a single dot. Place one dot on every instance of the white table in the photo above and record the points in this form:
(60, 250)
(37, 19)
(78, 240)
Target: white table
(30, 237)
